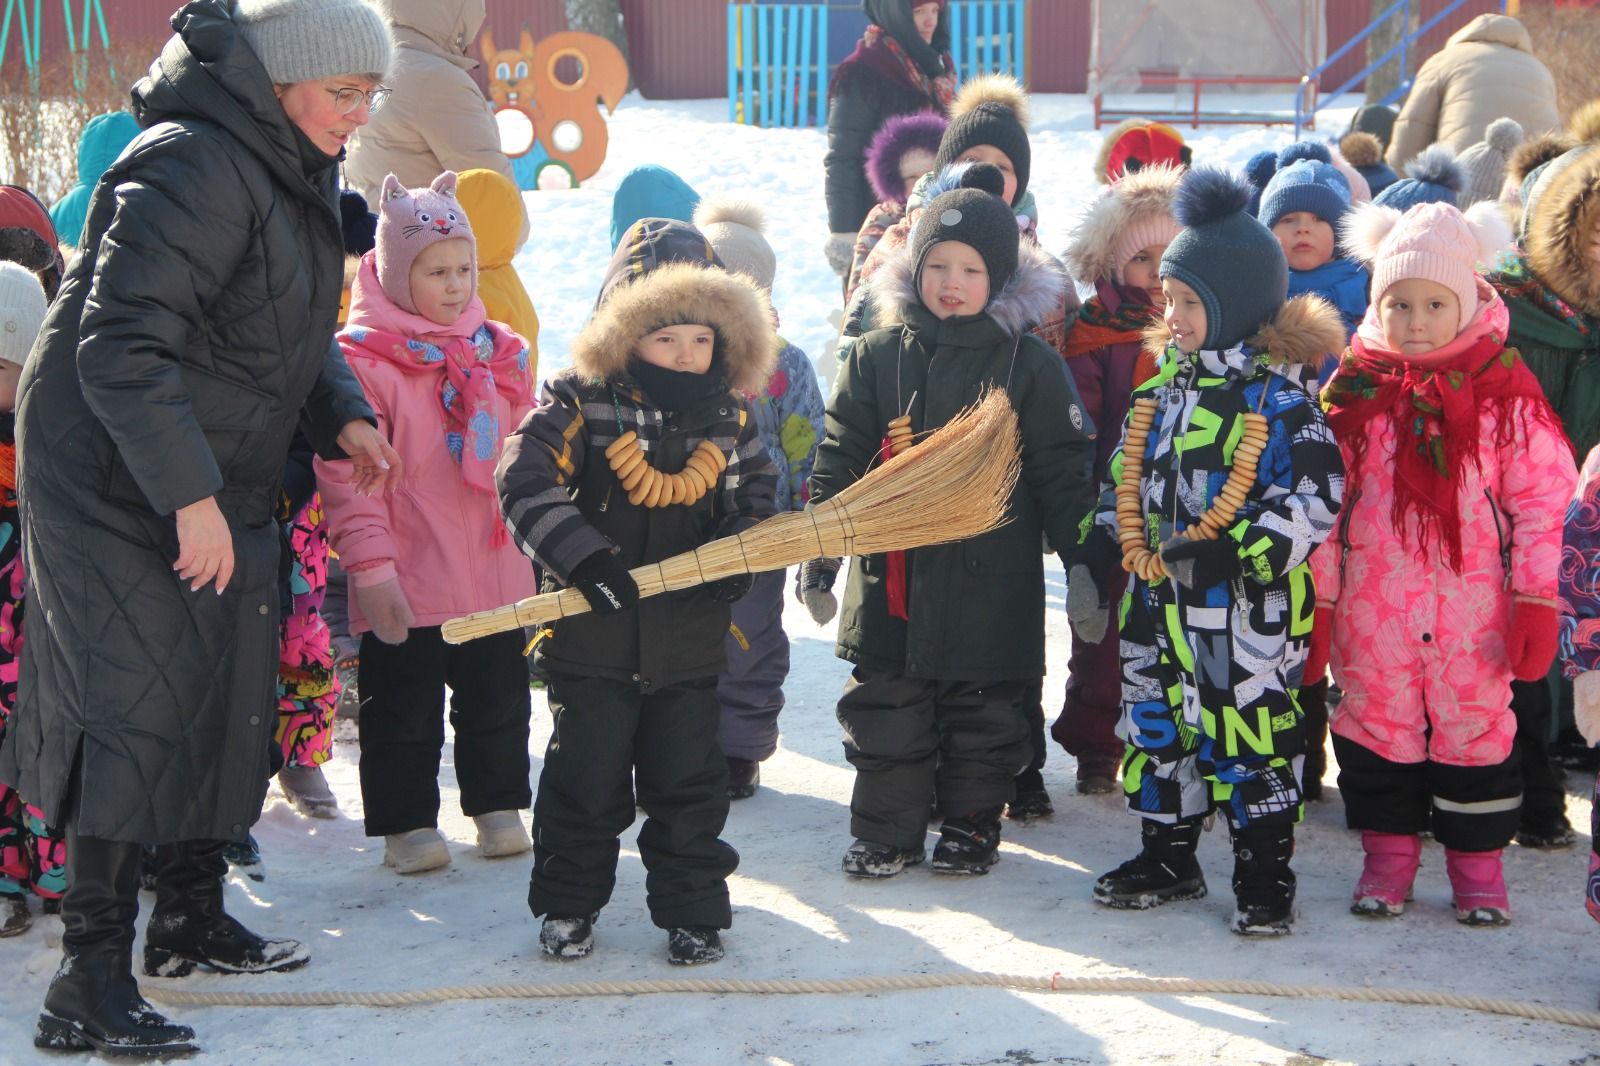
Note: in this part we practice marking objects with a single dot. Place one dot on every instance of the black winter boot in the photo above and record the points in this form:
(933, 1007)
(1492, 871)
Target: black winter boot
(189, 927)
(969, 844)
(1032, 801)
(869, 858)
(1164, 871)
(93, 1001)
(691, 945)
(567, 937)
(1263, 884)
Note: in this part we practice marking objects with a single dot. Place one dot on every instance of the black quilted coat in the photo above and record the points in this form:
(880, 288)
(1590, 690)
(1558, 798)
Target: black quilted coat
(190, 340)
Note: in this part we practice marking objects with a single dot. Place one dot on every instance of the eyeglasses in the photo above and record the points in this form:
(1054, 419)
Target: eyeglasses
(349, 100)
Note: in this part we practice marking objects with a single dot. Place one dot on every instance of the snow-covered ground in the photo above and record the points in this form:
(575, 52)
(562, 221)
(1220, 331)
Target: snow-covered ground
(796, 916)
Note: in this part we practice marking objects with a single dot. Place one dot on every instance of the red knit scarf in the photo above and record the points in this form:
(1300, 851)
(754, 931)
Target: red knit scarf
(1434, 414)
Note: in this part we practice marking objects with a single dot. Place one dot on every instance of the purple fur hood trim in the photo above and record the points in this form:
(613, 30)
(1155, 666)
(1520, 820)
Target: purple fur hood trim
(898, 136)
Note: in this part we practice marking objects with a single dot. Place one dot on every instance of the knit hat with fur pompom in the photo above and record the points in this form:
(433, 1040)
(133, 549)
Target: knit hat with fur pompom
(1232, 262)
(1433, 241)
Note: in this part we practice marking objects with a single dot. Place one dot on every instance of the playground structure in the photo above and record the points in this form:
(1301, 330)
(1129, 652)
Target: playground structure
(547, 119)
(1412, 30)
(780, 54)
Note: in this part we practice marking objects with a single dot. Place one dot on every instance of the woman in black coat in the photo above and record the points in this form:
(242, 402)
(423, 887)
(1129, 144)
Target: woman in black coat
(192, 337)
(901, 65)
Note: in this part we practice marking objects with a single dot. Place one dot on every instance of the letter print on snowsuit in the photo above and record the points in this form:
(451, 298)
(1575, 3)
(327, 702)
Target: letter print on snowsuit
(1209, 674)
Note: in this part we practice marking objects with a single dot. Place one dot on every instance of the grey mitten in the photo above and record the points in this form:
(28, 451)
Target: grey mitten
(813, 586)
(1088, 598)
(1199, 564)
(841, 252)
(1087, 608)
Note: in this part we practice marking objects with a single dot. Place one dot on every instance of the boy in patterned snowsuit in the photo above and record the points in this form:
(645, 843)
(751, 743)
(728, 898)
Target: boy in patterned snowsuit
(1212, 654)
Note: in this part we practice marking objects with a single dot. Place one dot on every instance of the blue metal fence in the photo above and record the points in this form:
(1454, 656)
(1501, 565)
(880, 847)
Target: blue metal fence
(30, 28)
(780, 54)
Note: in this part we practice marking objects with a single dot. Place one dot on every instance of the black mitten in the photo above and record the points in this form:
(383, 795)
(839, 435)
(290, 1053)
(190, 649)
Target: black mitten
(731, 589)
(1199, 564)
(605, 583)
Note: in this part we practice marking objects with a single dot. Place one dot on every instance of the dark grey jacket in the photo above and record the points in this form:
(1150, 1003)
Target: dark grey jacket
(191, 339)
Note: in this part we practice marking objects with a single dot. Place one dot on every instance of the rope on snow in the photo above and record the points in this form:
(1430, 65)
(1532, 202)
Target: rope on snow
(848, 985)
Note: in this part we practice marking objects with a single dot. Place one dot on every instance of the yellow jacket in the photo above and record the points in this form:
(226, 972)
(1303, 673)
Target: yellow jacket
(494, 208)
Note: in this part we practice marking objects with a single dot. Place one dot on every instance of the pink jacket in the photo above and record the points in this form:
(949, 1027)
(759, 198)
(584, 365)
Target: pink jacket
(1418, 648)
(443, 538)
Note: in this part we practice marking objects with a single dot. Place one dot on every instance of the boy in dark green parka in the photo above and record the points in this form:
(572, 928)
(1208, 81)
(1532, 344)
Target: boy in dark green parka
(945, 647)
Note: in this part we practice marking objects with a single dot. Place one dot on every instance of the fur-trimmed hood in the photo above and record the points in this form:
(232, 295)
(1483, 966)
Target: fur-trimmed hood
(665, 274)
(1305, 331)
(1559, 229)
(897, 138)
(1135, 143)
(1033, 293)
(1142, 195)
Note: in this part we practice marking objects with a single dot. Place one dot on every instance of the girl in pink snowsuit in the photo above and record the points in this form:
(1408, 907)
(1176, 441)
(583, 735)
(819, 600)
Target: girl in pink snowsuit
(1439, 583)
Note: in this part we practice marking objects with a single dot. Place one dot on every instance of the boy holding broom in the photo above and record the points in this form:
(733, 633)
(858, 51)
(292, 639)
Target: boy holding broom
(946, 640)
(639, 452)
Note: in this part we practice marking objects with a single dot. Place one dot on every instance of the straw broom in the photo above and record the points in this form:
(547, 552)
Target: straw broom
(954, 485)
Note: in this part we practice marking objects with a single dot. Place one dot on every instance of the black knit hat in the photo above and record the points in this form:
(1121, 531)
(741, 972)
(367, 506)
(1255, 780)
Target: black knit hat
(994, 124)
(975, 215)
(1232, 262)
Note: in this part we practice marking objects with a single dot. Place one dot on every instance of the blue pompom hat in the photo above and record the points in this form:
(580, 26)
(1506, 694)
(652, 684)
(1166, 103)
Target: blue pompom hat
(1306, 185)
(1228, 258)
(1433, 177)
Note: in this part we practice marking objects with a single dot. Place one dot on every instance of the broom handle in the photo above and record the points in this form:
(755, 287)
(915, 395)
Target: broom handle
(543, 608)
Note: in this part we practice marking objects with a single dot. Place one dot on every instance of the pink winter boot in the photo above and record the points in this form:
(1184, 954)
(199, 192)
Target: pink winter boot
(1386, 876)
(1479, 885)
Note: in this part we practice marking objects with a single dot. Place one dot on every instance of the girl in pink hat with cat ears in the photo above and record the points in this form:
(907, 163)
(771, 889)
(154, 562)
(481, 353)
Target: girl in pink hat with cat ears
(447, 385)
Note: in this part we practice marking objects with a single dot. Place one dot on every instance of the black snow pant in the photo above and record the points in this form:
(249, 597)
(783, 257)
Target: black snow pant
(402, 727)
(1470, 808)
(609, 739)
(1033, 711)
(908, 738)
(1544, 800)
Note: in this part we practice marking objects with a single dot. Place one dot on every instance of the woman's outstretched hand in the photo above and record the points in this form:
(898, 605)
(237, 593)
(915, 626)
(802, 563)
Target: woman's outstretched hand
(376, 463)
(205, 545)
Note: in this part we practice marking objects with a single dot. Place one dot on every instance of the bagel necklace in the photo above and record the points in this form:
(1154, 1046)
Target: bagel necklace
(1137, 558)
(646, 486)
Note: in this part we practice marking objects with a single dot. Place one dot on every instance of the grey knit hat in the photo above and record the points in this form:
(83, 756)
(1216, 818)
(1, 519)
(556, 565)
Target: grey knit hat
(1484, 164)
(1232, 262)
(304, 40)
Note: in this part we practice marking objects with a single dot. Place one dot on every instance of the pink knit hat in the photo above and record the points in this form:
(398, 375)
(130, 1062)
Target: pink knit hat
(1144, 231)
(1434, 242)
(409, 220)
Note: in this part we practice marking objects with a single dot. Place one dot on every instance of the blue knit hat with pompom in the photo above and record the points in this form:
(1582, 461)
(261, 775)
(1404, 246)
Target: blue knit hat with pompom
(1433, 177)
(1228, 258)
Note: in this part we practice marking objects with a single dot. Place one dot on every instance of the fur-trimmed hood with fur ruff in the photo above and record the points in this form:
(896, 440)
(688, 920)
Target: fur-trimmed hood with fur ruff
(1030, 297)
(1305, 330)
(665, 274)
(1140, 196)
(1559, 231)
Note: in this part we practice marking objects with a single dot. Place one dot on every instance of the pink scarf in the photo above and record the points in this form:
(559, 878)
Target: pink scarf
(482, 372)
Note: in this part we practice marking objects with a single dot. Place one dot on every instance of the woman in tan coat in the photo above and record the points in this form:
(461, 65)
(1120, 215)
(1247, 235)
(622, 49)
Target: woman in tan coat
(1487, 70)
(437, 119)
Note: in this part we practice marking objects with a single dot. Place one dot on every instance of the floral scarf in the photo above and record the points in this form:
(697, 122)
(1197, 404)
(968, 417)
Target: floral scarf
(1434, 415)
(1515, 279)
(1100, 327)
(941, 90)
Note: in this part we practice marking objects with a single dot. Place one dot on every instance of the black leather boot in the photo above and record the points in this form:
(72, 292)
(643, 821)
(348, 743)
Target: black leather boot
(1263, 884)
(189, 927)
(969, 844)
(93, 1001)
(1164, 871)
